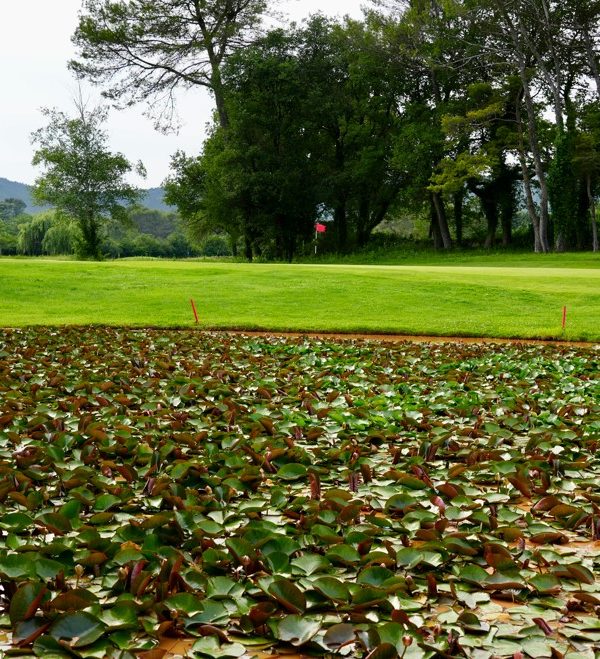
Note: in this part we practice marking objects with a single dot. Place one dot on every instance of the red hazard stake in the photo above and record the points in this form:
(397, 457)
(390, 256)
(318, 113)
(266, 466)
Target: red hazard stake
(194, 310)
(564, 320)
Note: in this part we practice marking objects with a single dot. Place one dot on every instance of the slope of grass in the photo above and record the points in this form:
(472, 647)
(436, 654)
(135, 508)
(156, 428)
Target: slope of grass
(452, 299)
(418, 255)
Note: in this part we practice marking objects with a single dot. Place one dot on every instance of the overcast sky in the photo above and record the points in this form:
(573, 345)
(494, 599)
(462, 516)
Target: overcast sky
(34, 49)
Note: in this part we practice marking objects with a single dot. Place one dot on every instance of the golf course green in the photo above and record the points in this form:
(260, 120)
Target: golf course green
(464, 298)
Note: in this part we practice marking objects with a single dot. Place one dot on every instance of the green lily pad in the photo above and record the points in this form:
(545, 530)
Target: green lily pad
(332, 588)
(297, 630)
(26, 601)
(209, 646)
(288, 595)
(292, 472)
(338, 635)
(77, 629)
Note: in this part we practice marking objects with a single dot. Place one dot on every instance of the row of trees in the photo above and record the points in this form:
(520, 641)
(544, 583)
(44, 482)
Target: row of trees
(418, 108)
(145, 233)
(423, 105)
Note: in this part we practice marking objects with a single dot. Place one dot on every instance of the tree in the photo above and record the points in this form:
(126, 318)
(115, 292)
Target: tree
(12, 217)
(312, 119)
(143, 50)
(586, 162)
(483, 135)
(256, 179)
(82, 177)
(62, 237)
(437, 51)
(186, 189)
(32, 234)
(352, 104)
(584, 16)
(11, 208)
(267, 153)
(538, 42)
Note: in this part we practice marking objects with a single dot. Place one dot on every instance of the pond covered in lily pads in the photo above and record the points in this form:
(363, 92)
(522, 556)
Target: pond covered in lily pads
(237, 496)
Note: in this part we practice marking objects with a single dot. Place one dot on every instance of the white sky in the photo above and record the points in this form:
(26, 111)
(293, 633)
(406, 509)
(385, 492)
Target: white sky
(34, 49)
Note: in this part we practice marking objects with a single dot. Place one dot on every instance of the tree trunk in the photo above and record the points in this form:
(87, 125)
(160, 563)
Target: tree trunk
(434, 227)
(215, 61)
(218, 89)
(248, 248)
(442, 220)
(221, 110)
(490, 210)
(531, 210)
(506, 234)
(583, 229)
(544, 244)
(233, 243)
(362, 229)
(506, 217)
(591, 55)
(560, 243)
(459, 198)
(515, 28)
(506, 202)
(91, 240)
(592, 214)
(340, 222)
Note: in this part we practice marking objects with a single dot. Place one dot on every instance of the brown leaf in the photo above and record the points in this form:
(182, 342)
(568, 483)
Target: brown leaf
(543, 625)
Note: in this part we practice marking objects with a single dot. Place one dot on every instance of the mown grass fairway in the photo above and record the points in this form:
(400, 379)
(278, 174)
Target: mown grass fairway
(413, 299)
(249, 495)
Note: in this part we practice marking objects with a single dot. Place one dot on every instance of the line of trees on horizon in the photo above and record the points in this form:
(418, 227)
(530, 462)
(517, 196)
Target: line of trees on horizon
(145, 233)
(423, 107)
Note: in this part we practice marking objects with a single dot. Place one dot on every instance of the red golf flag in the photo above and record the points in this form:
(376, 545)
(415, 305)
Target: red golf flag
(320, 228)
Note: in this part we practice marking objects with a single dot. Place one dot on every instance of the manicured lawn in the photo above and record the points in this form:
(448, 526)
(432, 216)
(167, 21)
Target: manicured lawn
(484, 258)
(523, 298)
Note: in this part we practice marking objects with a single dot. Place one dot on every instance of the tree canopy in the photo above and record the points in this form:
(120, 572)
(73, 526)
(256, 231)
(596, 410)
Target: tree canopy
(142, 50)
(82, 177)
(444, 110)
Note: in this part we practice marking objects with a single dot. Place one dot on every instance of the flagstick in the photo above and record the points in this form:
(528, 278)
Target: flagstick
(316, 239)
(194, 310)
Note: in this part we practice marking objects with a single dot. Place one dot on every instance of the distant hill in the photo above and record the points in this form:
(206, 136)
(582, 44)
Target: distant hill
(153, 197)
(14, 190)
(154, 200)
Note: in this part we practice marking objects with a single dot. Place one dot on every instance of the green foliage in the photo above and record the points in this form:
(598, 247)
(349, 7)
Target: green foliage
(11, 208)
(292, 149)
(454, 173)
(185, 188)
(143, 51)
(8, 242)
(160, 224)
(32, 234)
(82, 178)
(133, 243)
(421, 107)
(215, 246)
(48, 233)
(148, 233)
(9, 232)
(323, 505)
(563, 190)
(253, 180)
(62, 237)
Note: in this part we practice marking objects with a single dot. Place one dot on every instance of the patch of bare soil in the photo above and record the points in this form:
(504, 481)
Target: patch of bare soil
(407, 338)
